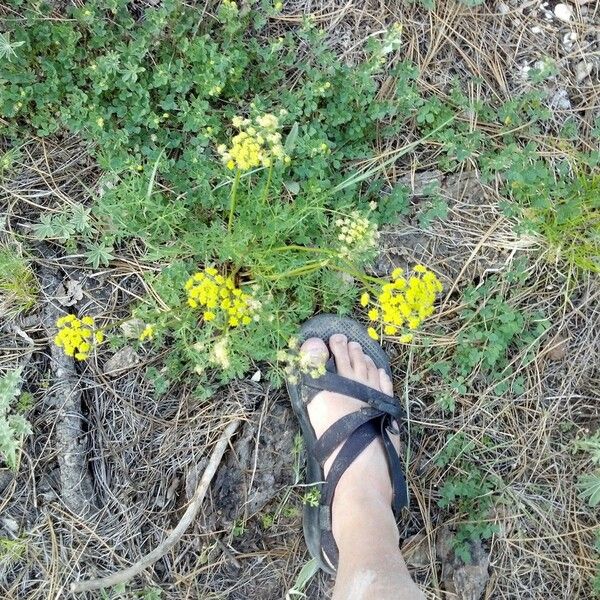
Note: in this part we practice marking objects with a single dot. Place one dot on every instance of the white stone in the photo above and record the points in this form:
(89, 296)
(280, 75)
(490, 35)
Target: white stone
(256, 377)
(503, 9)
(583, 69)
(563, 12)
(536, 29)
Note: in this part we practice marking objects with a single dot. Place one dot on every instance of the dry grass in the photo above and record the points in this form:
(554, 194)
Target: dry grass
(144, 456)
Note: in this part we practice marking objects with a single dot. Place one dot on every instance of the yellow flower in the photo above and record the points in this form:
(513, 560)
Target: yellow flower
(373, 333)
(257, 143)
(218, 295)
(364, 299)
(406, 338)
(404, 304)
(147, 333)
(76, 336)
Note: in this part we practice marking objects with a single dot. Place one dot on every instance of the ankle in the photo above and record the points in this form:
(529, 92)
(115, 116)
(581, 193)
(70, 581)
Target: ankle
(363, 514)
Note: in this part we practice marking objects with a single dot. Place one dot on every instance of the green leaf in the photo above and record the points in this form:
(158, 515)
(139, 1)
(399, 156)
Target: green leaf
(589, 487)
(44, 229)
(290, 140)
(99, 254)
(80, 218)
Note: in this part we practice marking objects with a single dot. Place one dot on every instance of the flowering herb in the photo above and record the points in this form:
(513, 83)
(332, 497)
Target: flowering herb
(357, 235)
(258, 143)
(77, 337)
(402, 304)
(220, 299)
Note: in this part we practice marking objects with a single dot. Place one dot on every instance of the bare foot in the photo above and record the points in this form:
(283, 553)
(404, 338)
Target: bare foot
(367, 479)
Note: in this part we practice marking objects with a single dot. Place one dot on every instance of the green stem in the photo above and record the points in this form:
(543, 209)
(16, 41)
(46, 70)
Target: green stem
(233, 200)
(267, 185)
(308, 268)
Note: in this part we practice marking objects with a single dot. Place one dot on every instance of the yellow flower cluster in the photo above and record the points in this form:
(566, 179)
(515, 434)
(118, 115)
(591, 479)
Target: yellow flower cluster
(147, 333)
(257, 143)
(76, 336)
(357, 234)
(218, 295)
(296, 362)
(402, 302)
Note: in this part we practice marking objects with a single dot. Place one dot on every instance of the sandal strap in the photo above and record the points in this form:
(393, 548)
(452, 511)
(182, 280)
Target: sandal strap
(399, 487)
(332, 382)
(354, 445)
(341, 430)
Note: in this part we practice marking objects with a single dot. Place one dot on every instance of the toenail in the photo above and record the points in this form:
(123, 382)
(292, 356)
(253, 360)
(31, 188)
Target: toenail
(354, 345)
(339, 338)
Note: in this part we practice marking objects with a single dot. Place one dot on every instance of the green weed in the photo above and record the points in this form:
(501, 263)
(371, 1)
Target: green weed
(312, 497)
(469, 491)
(18, 285)
(13, 426)
(589, 483)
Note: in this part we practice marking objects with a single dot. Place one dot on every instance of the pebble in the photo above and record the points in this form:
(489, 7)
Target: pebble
(536, 29)
(563, 12)
(582, 70)
(503, 9)
(560, 100)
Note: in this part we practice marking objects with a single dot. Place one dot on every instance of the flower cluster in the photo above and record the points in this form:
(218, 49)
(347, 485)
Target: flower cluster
(357, 235)
(147, 333)
(403, 303)
(296, 362)
(76, 336)
(257, 143)
(218, 295)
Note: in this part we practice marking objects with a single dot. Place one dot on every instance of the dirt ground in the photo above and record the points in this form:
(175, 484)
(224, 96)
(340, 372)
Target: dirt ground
(143, 460)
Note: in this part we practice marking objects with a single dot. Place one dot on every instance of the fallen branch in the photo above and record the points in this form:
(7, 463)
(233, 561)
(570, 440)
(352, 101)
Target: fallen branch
(188, 517)
(77, 491)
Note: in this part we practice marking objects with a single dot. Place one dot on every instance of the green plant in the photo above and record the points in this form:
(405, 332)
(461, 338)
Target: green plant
(473, 494)
(18, 285)
(13, 426)
(266, 520)
(238, 528)
(312, 497)
(589, 483)
(492, 332)
(563, 205)
(204, 142)
(12, 550)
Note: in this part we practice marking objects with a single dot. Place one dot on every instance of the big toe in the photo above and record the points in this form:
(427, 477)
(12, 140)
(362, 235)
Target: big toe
(316, 350)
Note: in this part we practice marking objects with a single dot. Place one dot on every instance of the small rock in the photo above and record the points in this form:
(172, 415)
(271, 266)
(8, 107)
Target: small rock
(124, 359)
(558, 347)
(256, 377)
(503, 9)
(582, 70)
(132, 328)
(536, 29)
(460, 580)
(560, 100)
(415, 551)
(563, 12)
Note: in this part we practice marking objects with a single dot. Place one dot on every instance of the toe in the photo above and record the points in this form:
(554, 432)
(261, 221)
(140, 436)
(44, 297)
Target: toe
(339, 348)
(358, 362)
(316, 350)
(372, 373)
(385, 383)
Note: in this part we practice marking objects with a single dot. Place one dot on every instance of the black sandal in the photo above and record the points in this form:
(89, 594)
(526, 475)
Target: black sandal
(359, 429)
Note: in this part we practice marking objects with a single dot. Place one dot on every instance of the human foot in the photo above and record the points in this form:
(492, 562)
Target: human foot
(367, 479)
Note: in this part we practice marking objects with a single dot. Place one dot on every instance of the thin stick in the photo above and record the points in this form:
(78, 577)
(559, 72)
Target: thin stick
(190, 514)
